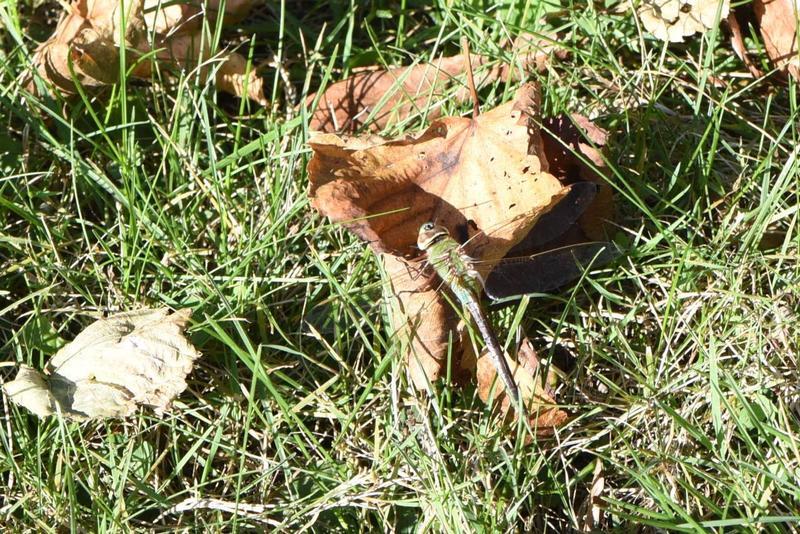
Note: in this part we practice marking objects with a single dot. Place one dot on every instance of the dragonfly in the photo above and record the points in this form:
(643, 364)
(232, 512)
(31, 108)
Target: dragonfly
(515, 276)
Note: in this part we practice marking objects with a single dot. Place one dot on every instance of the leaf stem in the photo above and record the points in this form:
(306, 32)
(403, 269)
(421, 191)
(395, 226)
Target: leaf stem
(476, 110)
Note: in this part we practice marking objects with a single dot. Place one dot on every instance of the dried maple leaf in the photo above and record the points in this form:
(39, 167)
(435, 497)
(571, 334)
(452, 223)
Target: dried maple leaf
(543, 414)
(115, 365)
(377, 98)
(672, 20)
(484, 177)
(87, 42)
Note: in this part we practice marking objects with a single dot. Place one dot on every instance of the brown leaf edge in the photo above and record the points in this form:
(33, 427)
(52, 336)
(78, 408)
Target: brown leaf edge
(544, 415)
(376, 98)
(775, 22)
(84, 45)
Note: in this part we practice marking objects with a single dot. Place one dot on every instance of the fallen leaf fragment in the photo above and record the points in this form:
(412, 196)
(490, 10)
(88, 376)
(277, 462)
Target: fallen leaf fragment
(484, 177)
(544, 416)
(672, 20)
(233, 78)
(377, 98)
(30, 390)
(111, 368)
(777, 22)
(88, 41)
(738, 45)
(419, 317)
(167, 18)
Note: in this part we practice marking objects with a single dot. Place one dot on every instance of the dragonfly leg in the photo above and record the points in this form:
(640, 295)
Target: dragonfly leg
(477, 276)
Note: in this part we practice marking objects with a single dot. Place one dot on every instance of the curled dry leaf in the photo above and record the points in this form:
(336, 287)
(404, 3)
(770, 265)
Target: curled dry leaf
(116, 364)
(232, 75)
(737, 43)
(420, 317)
(166, 18)
(233, 78)
(484, 177)
(87, 43)
(544, 416)
(377, 98)
(672, 20)
(777, 21)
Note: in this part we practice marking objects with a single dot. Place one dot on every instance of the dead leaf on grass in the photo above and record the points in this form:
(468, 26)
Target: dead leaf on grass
(111, 368)
(377, 98)
(420, 318)
(231, 76)
(485, 177)
(166, 18)
(777, 22)
(738, 45)
(672, 20)
(87, 43)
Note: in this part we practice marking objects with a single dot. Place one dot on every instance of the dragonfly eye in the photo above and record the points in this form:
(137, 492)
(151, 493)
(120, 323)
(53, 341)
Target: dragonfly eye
(428, 226)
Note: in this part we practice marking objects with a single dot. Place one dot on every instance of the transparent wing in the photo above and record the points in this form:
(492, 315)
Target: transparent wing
(558, 220)
(547, 271)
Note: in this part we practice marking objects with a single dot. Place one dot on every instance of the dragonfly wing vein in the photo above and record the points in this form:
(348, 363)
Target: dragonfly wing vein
(547, 271)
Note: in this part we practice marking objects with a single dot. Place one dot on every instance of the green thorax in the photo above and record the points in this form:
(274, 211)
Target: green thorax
(454, 268)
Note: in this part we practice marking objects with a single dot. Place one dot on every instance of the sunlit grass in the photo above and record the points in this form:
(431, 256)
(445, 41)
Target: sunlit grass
(683, 374)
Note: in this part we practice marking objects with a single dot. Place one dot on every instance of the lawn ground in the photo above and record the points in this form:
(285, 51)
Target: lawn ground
(683, 380)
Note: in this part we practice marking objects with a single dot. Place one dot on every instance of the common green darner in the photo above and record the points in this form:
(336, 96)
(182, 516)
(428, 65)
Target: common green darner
(514, 277)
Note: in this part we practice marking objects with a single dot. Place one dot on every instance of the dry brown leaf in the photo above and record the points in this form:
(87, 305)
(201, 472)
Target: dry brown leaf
(86, 44)
(737, 43)
(87, 39)
(233, 78)
(420, 318)
(29, 389)
(164, 17)
(483, 176)
(116, 364)
(777, 22)
(544, 416)
(672, 20)
(377, 98)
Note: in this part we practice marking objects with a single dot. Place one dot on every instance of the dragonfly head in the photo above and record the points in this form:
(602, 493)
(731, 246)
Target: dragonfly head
(430, 233)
